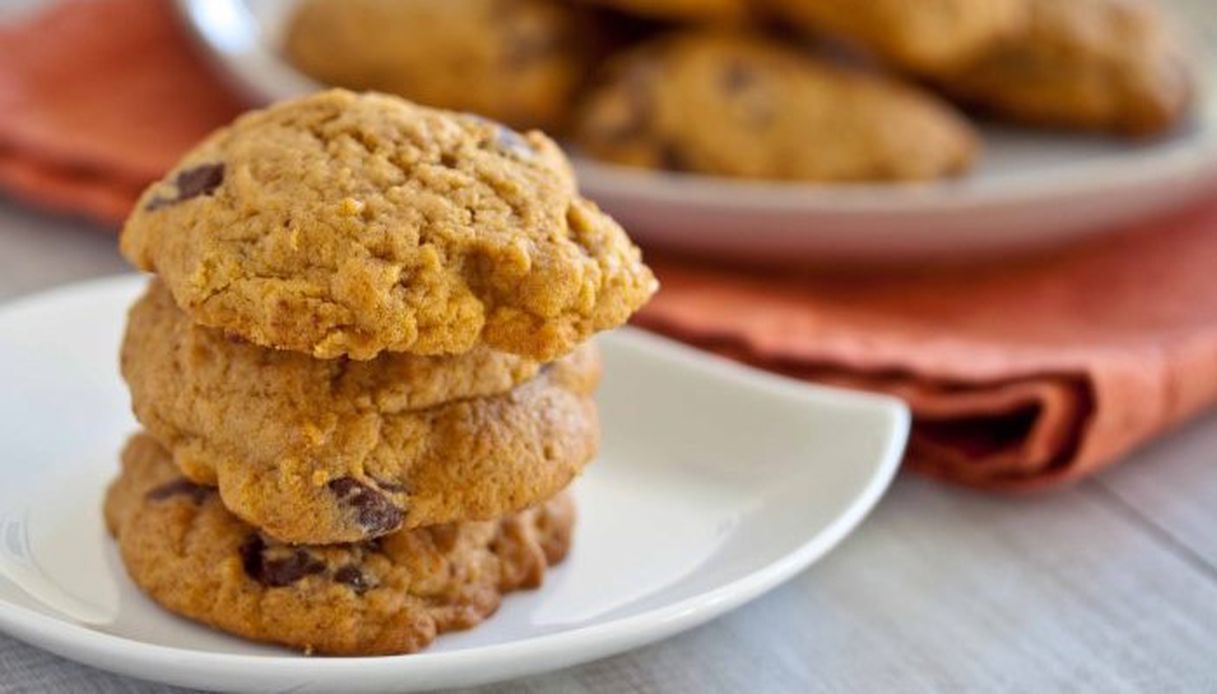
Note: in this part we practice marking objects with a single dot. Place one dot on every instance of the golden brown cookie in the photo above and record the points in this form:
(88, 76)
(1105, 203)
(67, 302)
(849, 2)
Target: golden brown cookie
(919, 35)
(518, 61)
(319, 451)
(343, 224)
(735, 105)
(1112, 65)
(392, 595)
(686, 10)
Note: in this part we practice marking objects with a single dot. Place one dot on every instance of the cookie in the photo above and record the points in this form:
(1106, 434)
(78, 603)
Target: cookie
(683, 10)
(1108, 65)
(319, 451)
(518, 61)
(347, 225)
(736, 105)
(924, 36)
(392, 595)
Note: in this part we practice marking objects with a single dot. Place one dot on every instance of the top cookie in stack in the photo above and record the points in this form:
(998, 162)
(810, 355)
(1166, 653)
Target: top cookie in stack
(350, 225)
(369, 317)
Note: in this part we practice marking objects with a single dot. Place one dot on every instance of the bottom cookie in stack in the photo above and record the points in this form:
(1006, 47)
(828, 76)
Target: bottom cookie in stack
(390, 595)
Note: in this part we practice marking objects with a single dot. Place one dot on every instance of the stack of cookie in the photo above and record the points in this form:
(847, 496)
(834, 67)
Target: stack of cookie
(362, 370)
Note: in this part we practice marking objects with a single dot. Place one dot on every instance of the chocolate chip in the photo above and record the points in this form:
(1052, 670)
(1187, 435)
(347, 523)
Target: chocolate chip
(280, 572)
(373, 510)
(353, 577)
(251, 555)
(283, 572)
(180, 486)
(191, 183)
(201, 180)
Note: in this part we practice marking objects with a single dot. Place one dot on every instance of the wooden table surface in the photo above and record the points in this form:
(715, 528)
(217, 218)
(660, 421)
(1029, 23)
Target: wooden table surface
(1109, 586)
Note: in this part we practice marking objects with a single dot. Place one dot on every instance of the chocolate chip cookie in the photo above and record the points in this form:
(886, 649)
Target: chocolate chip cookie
(347, 225)
(1109, 65)
(924, 36)
(737, 105)
(518, 61)
(391, 595)
(319, 451)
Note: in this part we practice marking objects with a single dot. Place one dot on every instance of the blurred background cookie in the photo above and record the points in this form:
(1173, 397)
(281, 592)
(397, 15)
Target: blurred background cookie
(918, 35)
(517, 61)
(756, 97)
(742, 105)
(1110, 65)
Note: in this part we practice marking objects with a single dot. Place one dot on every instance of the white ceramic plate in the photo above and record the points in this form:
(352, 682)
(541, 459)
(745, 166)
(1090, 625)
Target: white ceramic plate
(715, 483)
(1032, 189)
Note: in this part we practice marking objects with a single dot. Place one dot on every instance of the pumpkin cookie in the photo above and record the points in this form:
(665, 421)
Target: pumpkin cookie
(343, 224)
(735, 105)
(319, 451)
(391, 595)
(1110, 65)
(925, 36)
(518, 61)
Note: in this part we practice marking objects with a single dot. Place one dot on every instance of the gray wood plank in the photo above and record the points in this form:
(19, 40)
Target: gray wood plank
(1172, 486)
(38, 251)
(25, 669)
(944, 589)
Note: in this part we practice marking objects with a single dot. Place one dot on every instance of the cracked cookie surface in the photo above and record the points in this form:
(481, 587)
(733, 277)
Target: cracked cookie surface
(347, 225)
(391, 595)
(737, 105)
(320, 451)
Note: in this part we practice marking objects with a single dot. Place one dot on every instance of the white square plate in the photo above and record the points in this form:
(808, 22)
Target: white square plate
(715, 483)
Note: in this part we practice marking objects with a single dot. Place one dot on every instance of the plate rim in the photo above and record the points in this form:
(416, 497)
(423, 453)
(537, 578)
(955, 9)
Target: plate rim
(129, 656)
(1188, 158)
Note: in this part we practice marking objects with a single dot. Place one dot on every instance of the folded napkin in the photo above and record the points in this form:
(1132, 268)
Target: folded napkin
(1020, 375)
(97, 99)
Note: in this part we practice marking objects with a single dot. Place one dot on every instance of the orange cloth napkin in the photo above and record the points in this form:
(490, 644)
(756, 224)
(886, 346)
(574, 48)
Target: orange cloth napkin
(97, 99)
(1020, 375)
